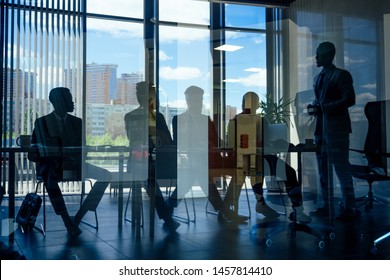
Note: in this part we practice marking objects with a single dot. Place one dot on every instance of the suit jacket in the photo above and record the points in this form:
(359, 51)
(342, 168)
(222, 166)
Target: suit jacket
(139, 131)
(334, 97)
(47, 133)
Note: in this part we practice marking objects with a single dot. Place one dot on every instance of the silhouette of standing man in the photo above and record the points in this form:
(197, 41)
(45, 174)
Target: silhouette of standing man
(56, 142)
(334, 94)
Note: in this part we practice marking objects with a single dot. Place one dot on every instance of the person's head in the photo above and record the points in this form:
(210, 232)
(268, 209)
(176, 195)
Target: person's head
(250, 102)
(61, 99)
(194, 99)
(325, 54)
(146, 95)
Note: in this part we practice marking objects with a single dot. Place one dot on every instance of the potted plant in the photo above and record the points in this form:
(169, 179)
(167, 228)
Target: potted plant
(277, 114)
(275, 111)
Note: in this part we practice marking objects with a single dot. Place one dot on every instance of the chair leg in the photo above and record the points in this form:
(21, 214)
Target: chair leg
(369, 199)
(188, 219)
(210, 211)
(248, 201)
(131, 194)
(96, 225)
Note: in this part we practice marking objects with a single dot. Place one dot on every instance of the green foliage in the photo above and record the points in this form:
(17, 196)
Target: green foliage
(121, 141)
(101, 140)
(275, 111)
(106, 140)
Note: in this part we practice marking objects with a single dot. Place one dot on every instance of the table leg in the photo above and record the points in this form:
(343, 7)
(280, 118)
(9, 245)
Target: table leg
(11, 194)
(120, 192)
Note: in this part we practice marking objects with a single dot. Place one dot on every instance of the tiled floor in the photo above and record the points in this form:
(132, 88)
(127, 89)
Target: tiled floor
(204, 239)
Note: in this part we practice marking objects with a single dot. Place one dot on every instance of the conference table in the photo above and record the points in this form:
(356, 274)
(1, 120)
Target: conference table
(8, 155)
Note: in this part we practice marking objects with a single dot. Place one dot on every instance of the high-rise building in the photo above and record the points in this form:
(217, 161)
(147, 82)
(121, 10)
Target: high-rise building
(101, 83)
(126, 88)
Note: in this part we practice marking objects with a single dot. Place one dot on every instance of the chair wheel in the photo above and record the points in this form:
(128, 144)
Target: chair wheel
(374, 250)
(321, 244)
(332, 236)
(268, 242)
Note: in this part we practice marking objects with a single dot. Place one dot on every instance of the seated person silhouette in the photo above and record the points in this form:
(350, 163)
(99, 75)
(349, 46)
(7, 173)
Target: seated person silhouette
(195, 133)
(146, 130)
(62, 131)
(250, 104)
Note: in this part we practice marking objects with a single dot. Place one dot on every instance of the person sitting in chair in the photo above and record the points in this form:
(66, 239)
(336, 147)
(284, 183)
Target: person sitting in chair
(195, 133)
(147, 130)
(56, 144)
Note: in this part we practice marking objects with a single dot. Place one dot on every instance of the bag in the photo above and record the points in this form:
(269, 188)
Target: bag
(28, 211)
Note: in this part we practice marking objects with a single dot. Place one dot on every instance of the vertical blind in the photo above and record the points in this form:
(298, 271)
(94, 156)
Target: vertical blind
(42, 45)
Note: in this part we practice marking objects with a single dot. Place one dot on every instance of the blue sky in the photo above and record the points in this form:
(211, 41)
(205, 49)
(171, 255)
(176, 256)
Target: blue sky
(184, 53)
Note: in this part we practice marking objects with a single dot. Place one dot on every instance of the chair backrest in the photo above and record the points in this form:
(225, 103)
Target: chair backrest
(68, 159)
(166, 162)
(375, 143)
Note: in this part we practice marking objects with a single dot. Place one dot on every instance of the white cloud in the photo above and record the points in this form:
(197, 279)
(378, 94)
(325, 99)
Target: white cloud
(259, 40)
(179, 73)
(169, 34)
(369, 86)
(184, 11)
(349, 61)
(365, 97)
(163, 56)
(117, 29)
(180, 11)
(115, 7)
(258, 78)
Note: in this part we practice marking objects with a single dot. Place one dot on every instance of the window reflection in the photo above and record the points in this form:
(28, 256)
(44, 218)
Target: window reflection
(115, 59)
(245, 16)
(185, 11)
(133, 8)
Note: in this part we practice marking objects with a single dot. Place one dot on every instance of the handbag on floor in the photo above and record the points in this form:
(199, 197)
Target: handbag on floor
(28, 211)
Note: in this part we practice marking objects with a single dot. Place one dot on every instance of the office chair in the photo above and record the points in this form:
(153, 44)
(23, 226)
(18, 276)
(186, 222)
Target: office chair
(323, 232)
(273, 227)
(166, 176)
(70, 173)
(376, 154)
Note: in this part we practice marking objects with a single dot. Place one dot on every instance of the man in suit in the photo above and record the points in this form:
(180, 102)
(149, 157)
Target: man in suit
(56, 144)
(334, 94)
(195, 133)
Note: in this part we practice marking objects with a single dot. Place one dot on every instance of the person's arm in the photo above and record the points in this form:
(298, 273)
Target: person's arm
(33, 154)
(213, 135)
(174, 128)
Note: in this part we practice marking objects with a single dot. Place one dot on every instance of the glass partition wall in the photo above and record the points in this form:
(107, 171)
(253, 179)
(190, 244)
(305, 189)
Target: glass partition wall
(102, 49)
